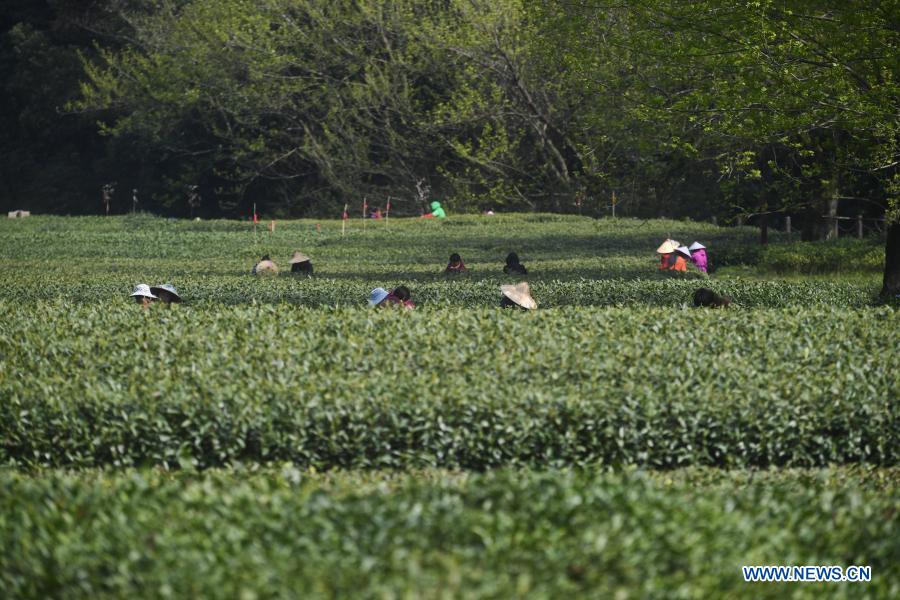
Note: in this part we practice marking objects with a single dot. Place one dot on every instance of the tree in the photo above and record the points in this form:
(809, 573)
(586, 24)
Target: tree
(815, 80)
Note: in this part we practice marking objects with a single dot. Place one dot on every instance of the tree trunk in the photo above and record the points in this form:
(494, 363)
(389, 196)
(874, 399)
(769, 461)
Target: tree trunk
(831, 199)
(891, 286)
(764, 230)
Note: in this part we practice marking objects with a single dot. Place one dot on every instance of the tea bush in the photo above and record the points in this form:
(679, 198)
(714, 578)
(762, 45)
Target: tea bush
(286, 533)
(846, 255)
(117, 385)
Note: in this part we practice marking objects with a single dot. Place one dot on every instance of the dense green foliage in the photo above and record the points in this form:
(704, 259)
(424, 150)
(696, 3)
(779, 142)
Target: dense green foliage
(433, 534)
(845, 256)
(679, 108)
(116, 385)
(222, 427)
(614, 367)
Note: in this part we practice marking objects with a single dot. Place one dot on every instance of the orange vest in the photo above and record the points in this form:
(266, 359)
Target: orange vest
(680, 264)
(664, 261)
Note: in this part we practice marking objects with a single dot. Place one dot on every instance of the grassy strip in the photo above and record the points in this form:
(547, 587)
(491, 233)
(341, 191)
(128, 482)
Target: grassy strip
(501, 534)
(98, 385)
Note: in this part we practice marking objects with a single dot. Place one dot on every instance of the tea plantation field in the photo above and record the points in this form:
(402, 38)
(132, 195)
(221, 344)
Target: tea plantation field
(277, 437)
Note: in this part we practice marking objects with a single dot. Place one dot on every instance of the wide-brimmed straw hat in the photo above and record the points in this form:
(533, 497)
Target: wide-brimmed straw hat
(167, 287)
(520, 294)
(298, 257)
(142, 289)
(667, 247)
(377, 296)
(683, 250)
(266, 267)
(696, 246)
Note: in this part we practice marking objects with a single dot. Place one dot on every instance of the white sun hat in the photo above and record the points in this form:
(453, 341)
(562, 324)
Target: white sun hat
(520, 294)
(696, 246)
(683, 250)
(142, 289)
(377, 296)
(298, 257)
(667, 247)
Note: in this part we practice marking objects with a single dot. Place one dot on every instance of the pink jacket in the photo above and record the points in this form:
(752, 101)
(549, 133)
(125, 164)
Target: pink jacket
(698, 257)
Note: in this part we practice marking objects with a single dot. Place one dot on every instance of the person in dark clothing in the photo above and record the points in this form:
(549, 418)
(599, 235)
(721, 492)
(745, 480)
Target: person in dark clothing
(707, 297)
(455, 266)
(513, 266)
(301, 264)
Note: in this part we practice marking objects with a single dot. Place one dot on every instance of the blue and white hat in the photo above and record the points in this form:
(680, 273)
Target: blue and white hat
(142, 289)
(377, 296)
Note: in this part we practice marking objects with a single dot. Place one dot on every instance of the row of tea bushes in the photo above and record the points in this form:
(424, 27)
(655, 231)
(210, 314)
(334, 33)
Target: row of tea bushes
(669, 291)
(284, 533)
(845, 255)
(93, 385)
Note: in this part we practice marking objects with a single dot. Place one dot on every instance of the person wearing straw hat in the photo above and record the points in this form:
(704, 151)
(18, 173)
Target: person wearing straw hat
(142, 295)
(377, 296)
(698, 256)
(265, 266)
(301, 264)
(682, 255)
(666, 258)
(166, 293)
(517, 296)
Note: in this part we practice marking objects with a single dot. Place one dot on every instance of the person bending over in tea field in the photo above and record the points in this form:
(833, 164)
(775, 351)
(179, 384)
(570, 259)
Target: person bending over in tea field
(707, 297)
(265, 266)
(666, 252)
(166, 293)
(399, 296)
(301, 264)
(517, 296)
(513, 266)
(455, 266)
(698, 256)
(682, 255)
(142, 295)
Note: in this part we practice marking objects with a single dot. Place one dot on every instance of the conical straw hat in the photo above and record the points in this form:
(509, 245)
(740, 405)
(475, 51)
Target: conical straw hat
(696, 246)
(667, 247)
(168, 287)
(683, 250)
(298, 257)
(142, 289)
(520, 294)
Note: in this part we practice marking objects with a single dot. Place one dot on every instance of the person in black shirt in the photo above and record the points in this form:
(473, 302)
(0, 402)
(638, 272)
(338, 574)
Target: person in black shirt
(513, 266)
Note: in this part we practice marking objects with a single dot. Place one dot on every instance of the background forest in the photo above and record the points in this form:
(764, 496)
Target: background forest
(677, 109)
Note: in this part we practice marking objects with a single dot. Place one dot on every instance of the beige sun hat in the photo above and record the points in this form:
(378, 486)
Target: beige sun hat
(520, 294)
(667, 247)
(266, 267)
(298, 257)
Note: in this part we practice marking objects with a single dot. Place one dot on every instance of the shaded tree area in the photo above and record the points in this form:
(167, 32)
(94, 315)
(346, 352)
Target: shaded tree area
(738, 110)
